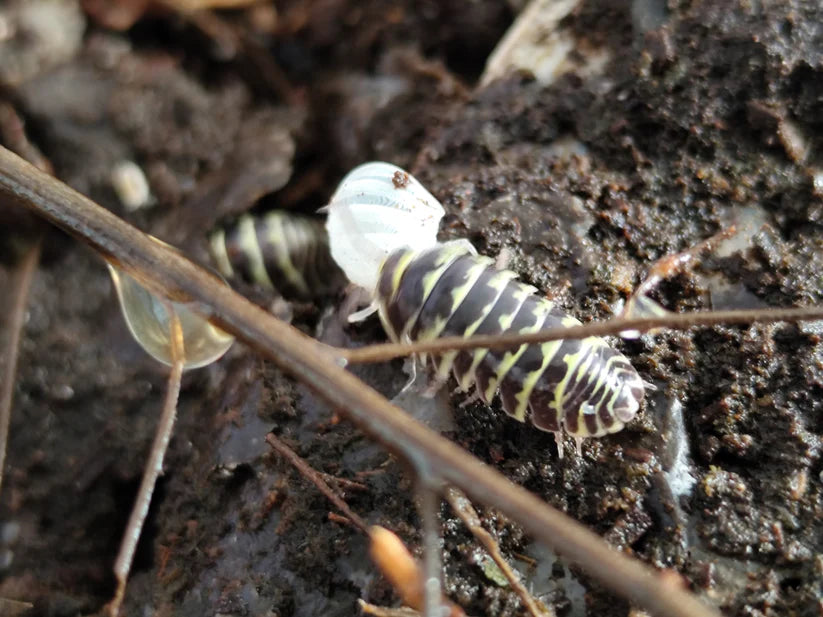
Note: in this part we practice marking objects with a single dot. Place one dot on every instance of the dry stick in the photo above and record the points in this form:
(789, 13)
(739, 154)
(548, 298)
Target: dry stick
(154, 466)
(343, 484)
(382, 611)
(395, 562)
(429, 501)
(13, 133)
(675, 321)
(464, 509)
(19, 291)
(666, 266)
(428, 504)
(13, 608)
(313, 364)
(315, 478)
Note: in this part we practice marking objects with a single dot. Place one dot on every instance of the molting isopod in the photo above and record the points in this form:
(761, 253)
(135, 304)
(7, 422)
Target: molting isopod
(376, 209)
(278, 250)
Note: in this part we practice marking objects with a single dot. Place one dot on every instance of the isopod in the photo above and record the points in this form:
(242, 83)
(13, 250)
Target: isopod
(385, 224)
(377, 208)
(584, 387)
(280, 251)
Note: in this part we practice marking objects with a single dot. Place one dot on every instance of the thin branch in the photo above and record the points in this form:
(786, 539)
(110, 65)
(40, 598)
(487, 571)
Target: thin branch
(674, 321)
(13, 133)
(431, 573)
(464, 509)
(13, 608)
(664, 267)
(315, 478)
(382, 611)
(313, 364)
(19, 292)
(407, 576)
(154, 466)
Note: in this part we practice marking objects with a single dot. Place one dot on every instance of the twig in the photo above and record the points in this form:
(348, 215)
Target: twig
(19, 292)
(13, 608)
(534, 28)
(382, 611)
(431, 574)
(313, 364)
(154, 466)
(13, 134)
(315, 478)
(343, 484)
(407, 576)
(464, 509)
(664, 267)
(334, 517)
(675, 321)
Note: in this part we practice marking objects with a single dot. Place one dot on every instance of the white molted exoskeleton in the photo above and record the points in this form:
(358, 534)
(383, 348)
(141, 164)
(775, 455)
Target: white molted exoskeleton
(377, 209)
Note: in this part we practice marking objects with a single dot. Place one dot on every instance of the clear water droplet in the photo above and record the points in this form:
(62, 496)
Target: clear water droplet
(148, 319)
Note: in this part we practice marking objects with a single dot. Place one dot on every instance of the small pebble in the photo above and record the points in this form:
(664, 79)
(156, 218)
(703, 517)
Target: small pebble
(131, 186)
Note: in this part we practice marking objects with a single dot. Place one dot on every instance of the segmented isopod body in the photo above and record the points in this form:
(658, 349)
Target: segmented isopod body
(583, 386)
(281, 251)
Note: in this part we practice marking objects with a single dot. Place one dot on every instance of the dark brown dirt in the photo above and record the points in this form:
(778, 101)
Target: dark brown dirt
(711, 117)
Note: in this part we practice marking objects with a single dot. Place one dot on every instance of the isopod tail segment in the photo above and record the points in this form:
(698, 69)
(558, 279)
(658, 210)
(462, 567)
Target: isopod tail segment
(584, 387)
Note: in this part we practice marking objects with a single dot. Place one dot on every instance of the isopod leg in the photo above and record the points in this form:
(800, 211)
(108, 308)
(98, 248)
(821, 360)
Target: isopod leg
(433, 387)
(504, 258)
(362, 314)
(410, 367)
(558, 439)
(473, 397)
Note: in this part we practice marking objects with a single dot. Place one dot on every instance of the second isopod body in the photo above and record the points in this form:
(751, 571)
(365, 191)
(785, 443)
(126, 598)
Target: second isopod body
(278, 250)
(584, 387)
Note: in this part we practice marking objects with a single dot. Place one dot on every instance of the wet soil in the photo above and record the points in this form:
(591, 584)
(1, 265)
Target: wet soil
(706, 114)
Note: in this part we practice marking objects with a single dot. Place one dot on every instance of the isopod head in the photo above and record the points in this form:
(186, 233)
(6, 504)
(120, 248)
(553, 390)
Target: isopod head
(376, 209)
(628, 400)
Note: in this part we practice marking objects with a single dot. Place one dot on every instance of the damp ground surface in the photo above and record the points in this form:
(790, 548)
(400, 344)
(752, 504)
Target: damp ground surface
(701, 115)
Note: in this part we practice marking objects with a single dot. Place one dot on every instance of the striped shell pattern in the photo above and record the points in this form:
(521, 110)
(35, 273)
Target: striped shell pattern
(584, 387)
(278, 250)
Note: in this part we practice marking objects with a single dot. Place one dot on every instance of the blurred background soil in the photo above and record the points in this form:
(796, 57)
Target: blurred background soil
(626, 131)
